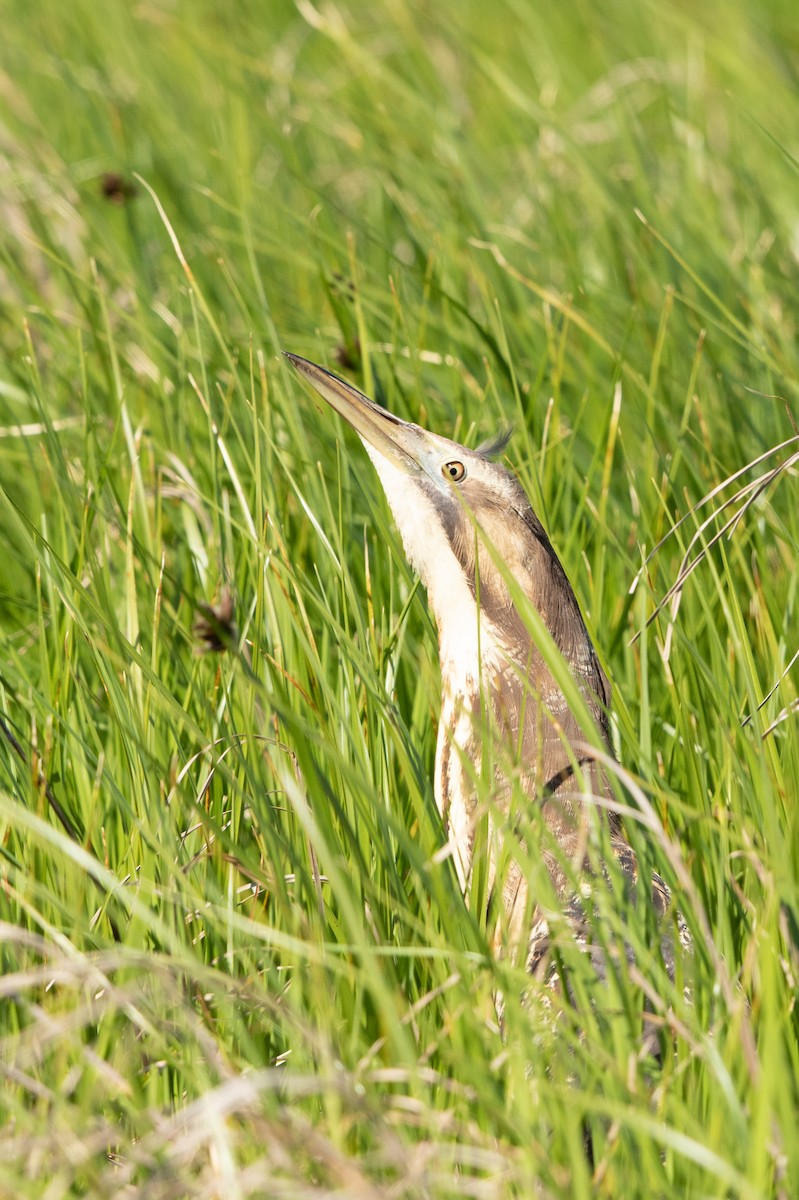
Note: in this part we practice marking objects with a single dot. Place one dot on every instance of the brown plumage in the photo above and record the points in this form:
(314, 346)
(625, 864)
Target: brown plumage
(469, 530)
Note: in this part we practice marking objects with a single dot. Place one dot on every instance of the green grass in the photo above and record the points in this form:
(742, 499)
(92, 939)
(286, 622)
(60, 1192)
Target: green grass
(237, 967)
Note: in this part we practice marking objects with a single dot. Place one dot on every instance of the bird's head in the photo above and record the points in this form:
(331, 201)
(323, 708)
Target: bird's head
(450, 503)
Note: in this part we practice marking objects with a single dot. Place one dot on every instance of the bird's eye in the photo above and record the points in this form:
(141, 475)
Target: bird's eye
(454, 471)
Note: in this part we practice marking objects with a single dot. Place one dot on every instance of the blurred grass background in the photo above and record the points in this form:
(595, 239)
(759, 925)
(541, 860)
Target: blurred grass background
(233, 963)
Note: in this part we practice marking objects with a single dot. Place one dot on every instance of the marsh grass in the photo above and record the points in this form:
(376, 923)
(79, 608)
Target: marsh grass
(238, 964)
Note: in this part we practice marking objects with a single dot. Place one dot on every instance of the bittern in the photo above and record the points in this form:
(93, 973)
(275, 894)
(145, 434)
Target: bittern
(470, 532)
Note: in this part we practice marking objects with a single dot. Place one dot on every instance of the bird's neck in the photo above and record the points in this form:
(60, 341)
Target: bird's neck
(468, 644)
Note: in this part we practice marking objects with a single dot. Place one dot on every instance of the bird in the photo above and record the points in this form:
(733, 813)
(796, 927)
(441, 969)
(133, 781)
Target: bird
(470, 532)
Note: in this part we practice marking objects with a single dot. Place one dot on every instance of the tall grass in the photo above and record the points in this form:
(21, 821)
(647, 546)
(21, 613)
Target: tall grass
(235, 962)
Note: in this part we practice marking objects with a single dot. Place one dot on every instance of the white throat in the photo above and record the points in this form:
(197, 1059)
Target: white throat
(469, 647)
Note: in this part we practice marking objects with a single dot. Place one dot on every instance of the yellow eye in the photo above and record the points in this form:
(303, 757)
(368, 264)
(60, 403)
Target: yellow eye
(454, 471)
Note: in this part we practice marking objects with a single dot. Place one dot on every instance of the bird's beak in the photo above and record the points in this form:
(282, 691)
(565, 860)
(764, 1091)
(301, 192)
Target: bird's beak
(398, 441)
